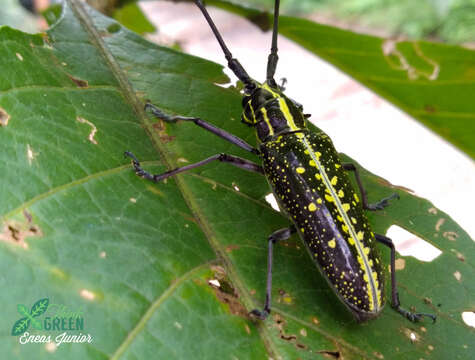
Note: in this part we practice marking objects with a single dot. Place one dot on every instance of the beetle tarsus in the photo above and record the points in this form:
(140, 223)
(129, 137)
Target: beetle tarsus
(412, 316)
(380, 205)
(260, 314)
(158, 113)
(138, 169)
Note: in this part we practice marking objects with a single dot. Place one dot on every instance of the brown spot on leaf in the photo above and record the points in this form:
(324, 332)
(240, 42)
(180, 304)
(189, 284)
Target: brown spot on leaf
(412, 335)
(291, 244)
(400, 264)
(280, 323)
(451, 235)
(284, 297)
(16, 232)
(79, 82)
(4, 117)
(161, 129)
(232, 247)
(225, 292)
(386, 183)
(440, 222)
(93, 127)
(430, 108)
(458, 254)
(30, 154)
(330, 354)
(458, 275)
(432, 210)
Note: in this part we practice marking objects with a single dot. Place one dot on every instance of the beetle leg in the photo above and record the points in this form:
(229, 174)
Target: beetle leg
(412, 316)
(233, 160)
(279, 235)
(380, 205)
(233, 139)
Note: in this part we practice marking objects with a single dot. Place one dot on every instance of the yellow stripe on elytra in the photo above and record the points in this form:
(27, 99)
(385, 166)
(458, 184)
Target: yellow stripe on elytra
(266, 119)
(372, 285)
(288, 116)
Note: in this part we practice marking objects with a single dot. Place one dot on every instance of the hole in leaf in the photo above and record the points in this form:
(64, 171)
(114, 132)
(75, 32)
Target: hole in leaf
(468, 318)
(270, 198)
(408, 244)
(214, 282)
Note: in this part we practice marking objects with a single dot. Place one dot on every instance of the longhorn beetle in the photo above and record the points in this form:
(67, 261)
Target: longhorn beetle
(311, 187)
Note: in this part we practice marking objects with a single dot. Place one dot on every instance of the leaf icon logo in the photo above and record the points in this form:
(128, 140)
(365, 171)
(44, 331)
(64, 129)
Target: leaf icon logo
(23, 324)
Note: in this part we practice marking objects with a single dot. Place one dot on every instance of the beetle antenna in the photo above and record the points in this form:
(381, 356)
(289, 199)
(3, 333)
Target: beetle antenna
(273, 57)
(233, 63)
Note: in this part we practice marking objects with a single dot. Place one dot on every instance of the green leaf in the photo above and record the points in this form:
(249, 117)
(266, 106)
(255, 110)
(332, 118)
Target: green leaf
(78, 225)
(131, 16)
(432, 82)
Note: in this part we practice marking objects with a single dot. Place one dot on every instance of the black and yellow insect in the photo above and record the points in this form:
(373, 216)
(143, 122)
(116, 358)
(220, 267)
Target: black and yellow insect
(311, 186)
